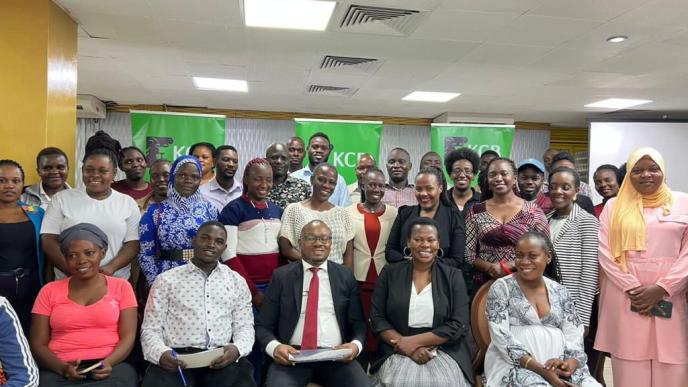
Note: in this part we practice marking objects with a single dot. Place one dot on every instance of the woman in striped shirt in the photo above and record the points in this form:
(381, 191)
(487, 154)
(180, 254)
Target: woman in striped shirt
(574, 235)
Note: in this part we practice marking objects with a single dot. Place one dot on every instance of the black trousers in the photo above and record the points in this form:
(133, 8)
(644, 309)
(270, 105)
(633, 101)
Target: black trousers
(21, 295)
(123, 375)
(325, 373)
(238, 374)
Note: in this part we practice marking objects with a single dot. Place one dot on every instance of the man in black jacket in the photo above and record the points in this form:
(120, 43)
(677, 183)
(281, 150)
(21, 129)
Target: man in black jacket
(312, 304)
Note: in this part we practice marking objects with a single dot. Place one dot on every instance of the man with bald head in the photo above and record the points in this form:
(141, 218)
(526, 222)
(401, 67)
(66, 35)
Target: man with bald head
(365, 162)
(286, 189)
(313, 303)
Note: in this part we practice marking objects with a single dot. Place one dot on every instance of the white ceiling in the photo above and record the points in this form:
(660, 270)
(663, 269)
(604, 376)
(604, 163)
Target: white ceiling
(540, 60)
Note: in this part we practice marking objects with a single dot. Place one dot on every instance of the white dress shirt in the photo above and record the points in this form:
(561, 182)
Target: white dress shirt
(187, 308)
(328, 328)
(421, 307)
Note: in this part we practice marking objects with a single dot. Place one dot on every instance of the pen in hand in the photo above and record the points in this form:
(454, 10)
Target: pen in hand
(179, 368)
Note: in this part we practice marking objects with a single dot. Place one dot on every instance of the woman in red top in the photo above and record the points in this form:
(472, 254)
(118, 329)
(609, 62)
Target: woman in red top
(607, 182)
(372, 221)
(86, 319)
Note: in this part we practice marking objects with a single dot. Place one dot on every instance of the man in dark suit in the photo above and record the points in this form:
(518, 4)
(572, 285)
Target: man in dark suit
(332, 317)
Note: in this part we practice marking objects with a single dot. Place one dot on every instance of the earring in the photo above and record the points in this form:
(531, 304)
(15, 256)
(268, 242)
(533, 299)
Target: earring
(406, 255)
(441, 254)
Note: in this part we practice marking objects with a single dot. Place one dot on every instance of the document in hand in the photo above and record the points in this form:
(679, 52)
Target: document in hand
(201, 359)
(325, 354)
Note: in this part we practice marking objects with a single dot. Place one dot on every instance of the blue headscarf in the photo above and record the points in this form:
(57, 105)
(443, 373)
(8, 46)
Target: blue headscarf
(173, 197)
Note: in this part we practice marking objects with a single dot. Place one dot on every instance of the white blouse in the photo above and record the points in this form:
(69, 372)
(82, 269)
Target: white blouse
(421, 307)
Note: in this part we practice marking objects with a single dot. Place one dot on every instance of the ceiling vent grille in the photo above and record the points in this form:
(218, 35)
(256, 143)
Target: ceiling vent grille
(333, 91)
(366, 65)
(395, 20)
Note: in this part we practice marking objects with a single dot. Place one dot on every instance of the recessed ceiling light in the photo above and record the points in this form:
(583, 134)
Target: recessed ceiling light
(430, 96)
(617, 103)
(617, 39)
(222, 84)
(290, 14)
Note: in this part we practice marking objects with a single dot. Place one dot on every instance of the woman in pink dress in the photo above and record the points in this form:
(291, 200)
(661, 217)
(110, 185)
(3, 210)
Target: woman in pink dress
(644, 255)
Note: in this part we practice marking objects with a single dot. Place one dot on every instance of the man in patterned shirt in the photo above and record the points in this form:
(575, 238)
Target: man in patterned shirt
(195, 307)
(286, 189)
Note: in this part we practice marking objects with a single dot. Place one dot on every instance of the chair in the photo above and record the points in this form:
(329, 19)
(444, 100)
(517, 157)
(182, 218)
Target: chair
(480, 329)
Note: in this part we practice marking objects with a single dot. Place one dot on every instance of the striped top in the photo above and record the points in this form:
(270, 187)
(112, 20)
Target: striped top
(252, 233)
(15, 354)
(576, 246)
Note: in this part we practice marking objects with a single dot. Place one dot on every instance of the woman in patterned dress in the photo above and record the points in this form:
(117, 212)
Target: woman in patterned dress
(166, 229)
(494, 225)
(536, 335)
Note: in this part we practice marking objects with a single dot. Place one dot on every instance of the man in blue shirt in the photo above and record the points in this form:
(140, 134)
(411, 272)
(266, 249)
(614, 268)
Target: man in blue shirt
(319, 149)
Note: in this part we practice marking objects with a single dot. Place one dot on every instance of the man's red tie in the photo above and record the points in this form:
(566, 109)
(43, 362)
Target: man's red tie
(310, 326)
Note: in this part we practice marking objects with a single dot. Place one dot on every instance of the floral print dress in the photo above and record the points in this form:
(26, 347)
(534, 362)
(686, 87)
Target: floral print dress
(516, 331)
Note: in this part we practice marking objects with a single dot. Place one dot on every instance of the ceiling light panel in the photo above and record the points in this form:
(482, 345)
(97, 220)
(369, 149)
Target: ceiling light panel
(288, 14)
(617, 103)
(430, 96)
(220, 84)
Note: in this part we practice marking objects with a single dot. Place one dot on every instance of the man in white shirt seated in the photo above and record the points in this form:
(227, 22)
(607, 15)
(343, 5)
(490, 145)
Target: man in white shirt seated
(196, 307)
(312, 304)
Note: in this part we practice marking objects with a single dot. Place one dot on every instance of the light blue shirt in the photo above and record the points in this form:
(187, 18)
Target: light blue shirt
(340, 196)
(218, 196)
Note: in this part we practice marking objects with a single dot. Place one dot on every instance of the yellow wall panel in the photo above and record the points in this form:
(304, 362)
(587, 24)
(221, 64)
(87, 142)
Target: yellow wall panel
(31, 32)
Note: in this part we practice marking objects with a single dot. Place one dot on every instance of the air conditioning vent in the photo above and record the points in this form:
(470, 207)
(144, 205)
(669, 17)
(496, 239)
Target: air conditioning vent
(366, 65)
(333, 91)
(395, 21)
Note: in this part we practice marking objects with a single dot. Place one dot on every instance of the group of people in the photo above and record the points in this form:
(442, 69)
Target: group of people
(290, 259)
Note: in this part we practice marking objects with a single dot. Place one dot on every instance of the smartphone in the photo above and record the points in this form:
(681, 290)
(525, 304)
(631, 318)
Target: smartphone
(88, 366)
(663, 309)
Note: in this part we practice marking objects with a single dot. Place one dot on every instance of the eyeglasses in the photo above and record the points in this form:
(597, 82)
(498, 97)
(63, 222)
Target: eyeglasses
(459, 171)
(313, 238)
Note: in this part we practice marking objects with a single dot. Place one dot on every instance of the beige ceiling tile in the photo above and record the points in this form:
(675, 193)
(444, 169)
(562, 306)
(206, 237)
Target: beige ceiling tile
(505, 54)
(542, 30)
(462, 25)
(586, 9)
(512, 6)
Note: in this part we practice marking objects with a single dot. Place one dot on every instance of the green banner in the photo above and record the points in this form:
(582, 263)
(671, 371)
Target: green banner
(350, 140)
(444, 138)
(169, 135)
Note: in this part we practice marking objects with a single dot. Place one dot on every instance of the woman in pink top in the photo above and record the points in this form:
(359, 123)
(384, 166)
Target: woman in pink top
(644, 255)
(86, 319)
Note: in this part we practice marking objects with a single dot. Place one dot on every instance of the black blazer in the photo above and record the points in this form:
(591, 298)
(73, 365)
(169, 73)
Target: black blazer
(282, 306)
(390, 310)
(452, 234)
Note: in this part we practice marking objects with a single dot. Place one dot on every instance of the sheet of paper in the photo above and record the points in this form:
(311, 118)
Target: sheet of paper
(201, 359)
(309, 356)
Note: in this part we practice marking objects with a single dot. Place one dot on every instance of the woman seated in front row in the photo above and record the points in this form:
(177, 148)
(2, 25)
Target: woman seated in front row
(536, 335)
(85, 319)
(420, 312)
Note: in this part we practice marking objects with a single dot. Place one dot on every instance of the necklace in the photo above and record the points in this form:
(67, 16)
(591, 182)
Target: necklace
(262, 218)
(377, 208)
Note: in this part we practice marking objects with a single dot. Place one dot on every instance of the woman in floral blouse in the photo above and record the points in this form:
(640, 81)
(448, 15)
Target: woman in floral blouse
(536, 335)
